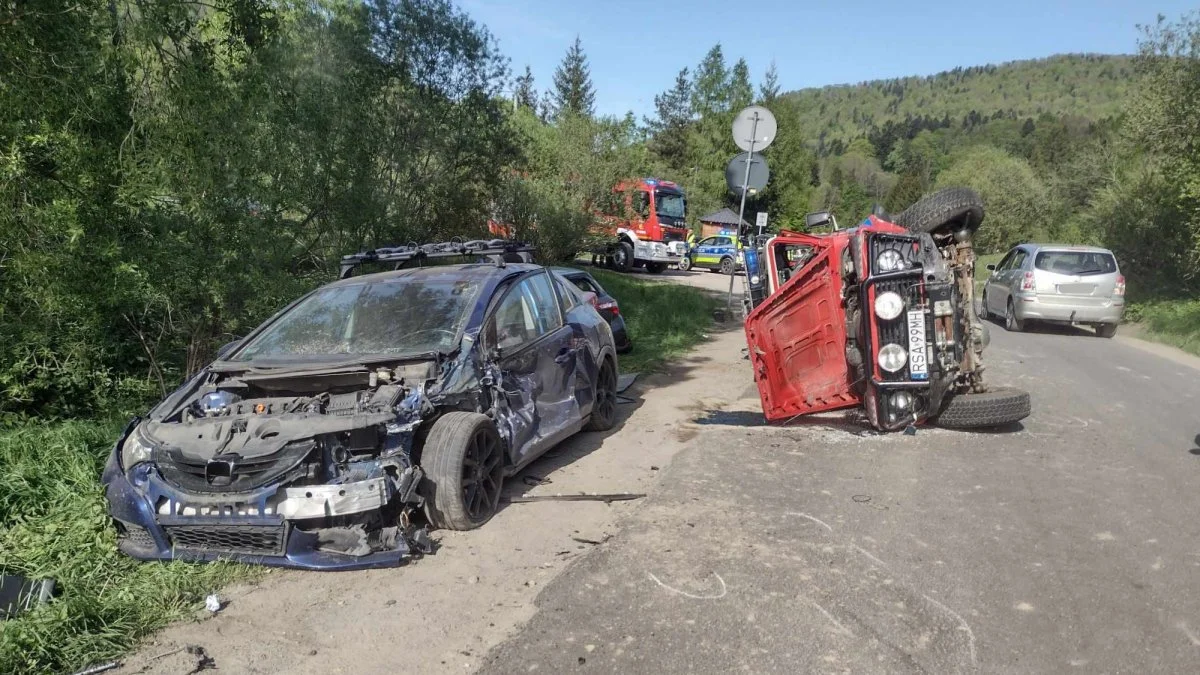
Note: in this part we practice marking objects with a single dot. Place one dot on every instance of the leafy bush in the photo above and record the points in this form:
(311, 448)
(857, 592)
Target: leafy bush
(1172, 322)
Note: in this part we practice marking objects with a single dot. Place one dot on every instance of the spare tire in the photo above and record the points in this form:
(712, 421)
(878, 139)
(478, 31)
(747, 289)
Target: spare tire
(999, 405)
(946, 211)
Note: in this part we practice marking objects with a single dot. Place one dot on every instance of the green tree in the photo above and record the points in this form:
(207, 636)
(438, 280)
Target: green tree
(573, 90)
(1014, 197)
(524, 92)
(768, 89)
(741, 92)
(673, 116)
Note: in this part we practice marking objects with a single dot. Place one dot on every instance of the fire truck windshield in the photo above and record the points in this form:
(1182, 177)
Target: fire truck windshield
(670, 204)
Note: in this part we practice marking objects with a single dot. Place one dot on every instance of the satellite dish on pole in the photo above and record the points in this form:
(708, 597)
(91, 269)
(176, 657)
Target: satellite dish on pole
(754, 124)
(755, 179)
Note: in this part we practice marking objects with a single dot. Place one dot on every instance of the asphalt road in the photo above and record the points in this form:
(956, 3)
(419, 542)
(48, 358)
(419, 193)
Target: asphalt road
(1070, 543)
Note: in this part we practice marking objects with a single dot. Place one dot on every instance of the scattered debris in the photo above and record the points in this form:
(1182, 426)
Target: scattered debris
(104, 668)
(653, 468)
(213, 603)
(581, 497)
(18, 594)
(910, 430)
(203, 660)
(625, 381)
(861, 499)
(593, 542)
(534, 481)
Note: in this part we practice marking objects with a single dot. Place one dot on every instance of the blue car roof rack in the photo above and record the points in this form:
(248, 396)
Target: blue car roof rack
(498, 251)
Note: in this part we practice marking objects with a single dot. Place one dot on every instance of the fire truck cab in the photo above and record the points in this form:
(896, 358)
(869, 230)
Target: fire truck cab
(651, 231)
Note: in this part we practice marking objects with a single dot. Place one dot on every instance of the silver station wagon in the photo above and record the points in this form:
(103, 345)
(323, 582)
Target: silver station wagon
(1057, 284)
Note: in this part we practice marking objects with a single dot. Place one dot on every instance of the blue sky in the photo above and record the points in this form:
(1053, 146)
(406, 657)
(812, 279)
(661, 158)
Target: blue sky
(636, 48)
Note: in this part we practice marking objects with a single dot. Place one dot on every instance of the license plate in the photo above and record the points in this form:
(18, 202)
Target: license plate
(918, 362)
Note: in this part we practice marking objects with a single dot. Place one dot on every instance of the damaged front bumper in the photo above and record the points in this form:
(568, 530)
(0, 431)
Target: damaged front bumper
(309, 527)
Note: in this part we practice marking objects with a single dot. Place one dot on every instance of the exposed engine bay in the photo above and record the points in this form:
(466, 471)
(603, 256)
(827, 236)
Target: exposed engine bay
(327, 454)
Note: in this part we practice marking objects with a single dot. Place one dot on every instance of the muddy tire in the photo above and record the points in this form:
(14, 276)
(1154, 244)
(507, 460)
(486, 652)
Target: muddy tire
(1106, 330)
(684, 264)
(944, 212)
(604, 411)
(656, 267)
(623, 257)
(463, 459)
(728, 266)
(1000, 405)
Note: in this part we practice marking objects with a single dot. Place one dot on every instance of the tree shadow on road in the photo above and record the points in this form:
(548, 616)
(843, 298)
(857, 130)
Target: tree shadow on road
(1196, 450)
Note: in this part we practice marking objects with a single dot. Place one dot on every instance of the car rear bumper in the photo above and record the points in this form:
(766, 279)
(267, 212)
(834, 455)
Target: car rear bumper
(1036, 309)
(145, 537)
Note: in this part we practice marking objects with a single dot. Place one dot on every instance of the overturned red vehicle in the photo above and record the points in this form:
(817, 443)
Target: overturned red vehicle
(882, 316)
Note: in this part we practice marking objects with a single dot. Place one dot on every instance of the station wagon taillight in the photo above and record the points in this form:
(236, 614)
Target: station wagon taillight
(1027, 283)
(601, 306)
(1119, 289)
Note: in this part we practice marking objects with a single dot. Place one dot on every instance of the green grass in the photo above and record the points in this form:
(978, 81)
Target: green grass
(1172, 322)
(53, 524)
(664, 320)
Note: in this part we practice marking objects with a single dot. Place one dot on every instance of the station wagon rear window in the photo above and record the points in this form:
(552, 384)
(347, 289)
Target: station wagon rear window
(1076, 263)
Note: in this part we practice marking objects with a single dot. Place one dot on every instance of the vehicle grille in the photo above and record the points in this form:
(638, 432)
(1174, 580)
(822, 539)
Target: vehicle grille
(904, 244)
(249, 473)
(137, 536)
(251, 539)
(896, 330)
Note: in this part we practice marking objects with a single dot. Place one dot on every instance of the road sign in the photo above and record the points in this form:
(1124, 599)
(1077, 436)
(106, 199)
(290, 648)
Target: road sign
(756, 124)
(761, 221)
(756, 179)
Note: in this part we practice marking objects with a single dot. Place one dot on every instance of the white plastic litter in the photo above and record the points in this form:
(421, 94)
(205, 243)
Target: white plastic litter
(212, 603)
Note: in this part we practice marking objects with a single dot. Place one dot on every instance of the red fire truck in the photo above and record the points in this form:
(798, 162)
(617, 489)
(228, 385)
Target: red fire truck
(652, 230)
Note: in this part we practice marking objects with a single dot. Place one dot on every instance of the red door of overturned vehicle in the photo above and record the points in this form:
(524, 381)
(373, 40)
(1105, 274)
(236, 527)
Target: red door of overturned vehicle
(797, 336)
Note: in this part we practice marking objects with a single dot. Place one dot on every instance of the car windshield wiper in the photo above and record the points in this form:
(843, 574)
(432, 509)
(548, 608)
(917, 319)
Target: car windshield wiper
(1087, 272)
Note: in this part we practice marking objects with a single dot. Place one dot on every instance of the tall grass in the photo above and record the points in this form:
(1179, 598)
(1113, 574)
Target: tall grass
(664, 320)
(1173, 322)
(54, 524)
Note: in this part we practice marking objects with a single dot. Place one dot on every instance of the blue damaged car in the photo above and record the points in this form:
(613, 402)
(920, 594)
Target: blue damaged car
(335, 434)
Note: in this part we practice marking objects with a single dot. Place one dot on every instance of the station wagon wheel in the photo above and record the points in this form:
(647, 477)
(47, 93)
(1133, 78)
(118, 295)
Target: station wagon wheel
(1011, 321)
(727, 266)
(463, 459)
(604, 410)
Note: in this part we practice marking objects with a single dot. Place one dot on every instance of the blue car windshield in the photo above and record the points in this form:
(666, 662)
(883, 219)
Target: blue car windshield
(394, 317)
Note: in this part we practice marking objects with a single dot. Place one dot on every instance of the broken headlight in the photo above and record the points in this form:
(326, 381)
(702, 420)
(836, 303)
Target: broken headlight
(135, 450)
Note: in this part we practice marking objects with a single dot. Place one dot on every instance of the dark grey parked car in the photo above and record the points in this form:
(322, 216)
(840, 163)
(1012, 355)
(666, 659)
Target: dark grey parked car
(1055, 283)
(326, 436)
(604, 303)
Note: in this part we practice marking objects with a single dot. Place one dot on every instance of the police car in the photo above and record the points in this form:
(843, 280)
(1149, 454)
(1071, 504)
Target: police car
(720, 252)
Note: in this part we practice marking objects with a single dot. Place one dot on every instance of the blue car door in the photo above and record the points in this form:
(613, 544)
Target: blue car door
(537, 368)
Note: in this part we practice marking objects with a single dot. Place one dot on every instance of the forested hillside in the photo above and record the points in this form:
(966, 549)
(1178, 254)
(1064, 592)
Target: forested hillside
(1090, 86)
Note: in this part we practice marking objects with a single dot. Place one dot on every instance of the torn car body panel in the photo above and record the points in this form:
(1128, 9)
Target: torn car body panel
(294, 457)
(797, 339)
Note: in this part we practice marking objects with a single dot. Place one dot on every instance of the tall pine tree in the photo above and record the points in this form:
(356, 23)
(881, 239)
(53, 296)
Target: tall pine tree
(525, 94)
(573, 91)
(669, 129)
(741, 92)
(768, 90)
(710, 88)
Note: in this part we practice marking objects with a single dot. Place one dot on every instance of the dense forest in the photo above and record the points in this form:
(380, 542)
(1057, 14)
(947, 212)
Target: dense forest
(172, 172)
